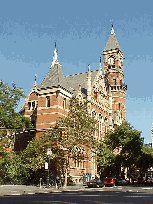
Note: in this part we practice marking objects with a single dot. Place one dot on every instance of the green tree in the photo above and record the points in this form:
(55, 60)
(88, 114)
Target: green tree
(145, 160)
(9, 101)
(35, 156)
(105, 157)
(10, 121)
(127, 144)
(80, 128)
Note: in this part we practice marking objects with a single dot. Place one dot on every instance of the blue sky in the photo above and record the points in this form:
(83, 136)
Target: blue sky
(29, 29)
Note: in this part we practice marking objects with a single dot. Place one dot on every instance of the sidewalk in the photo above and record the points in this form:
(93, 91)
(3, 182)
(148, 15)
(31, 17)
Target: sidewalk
(6, 190)
(12, 190)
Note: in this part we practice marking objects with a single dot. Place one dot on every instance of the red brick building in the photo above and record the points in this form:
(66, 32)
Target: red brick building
(103, 89)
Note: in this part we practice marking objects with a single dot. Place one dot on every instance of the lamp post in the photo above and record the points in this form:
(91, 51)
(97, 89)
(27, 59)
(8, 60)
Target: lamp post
(49, 153)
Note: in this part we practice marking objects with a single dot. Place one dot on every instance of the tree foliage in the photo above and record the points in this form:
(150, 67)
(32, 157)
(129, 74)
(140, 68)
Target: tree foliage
(9, 100)
(11, 166)
(127, 143)
(105, 156)
(146, 159)
(80, 128)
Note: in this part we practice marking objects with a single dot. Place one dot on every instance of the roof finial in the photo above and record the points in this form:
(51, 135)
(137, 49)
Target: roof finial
(54, 57)
(100, 59)
(88, 67)
(35, 77)
(112, 31)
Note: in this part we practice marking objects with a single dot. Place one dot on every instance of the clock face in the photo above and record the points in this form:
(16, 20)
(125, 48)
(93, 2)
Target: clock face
(111, 61)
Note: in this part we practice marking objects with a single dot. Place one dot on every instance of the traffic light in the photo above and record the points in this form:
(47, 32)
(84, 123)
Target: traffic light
(63, 135)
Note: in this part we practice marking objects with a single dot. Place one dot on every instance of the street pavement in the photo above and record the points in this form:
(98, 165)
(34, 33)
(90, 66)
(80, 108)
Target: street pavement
(10, 190)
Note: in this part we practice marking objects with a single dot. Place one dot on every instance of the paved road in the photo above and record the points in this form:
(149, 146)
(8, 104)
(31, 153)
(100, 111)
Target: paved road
(82, 197)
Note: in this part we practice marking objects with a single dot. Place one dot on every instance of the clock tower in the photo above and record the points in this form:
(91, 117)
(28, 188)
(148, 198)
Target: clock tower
(114, 78)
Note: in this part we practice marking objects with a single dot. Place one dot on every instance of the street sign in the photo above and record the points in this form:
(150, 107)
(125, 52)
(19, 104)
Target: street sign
(46, 165)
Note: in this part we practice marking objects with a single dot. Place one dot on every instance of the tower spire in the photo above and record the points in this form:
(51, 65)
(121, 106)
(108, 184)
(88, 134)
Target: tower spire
(112, 42)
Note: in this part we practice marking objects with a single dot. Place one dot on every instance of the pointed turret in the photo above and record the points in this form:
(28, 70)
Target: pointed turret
(112, 42)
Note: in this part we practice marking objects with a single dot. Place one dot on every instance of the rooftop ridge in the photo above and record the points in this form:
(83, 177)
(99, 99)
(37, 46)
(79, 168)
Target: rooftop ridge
(80, 73)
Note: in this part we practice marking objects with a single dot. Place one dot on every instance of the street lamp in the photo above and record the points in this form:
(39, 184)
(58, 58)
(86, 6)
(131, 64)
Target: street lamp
(49, 153)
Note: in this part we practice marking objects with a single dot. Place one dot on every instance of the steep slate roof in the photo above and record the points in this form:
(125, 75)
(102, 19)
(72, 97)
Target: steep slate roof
(55, 77)
(112, 42)
(79, 79)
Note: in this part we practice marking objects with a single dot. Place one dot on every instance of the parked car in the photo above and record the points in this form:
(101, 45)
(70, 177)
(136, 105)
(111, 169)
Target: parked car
(140, 180)
(149, 181)
(121, 182)
(109, 181)
(96, 183)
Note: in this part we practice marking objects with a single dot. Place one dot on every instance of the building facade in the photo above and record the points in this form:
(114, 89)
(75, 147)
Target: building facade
(103, 89)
